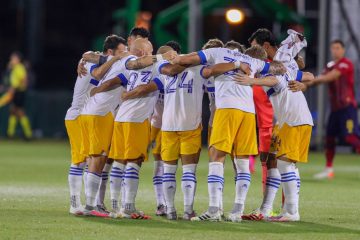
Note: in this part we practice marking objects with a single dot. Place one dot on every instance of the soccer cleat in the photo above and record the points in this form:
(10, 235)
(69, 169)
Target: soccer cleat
(135, 215)
(328, 173)
(206, 216)
(115, 215)
(94, 213)
(258, 215)
(285, 217)
(102, 209)
(188, 216)
(171, 216)
(234, 217)
(161, 210)
(79, 211)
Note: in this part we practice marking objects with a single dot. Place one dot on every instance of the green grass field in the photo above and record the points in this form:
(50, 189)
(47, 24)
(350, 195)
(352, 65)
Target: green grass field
(34, 202)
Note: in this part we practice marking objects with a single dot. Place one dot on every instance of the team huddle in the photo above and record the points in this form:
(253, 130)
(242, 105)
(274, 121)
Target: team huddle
(127, 100)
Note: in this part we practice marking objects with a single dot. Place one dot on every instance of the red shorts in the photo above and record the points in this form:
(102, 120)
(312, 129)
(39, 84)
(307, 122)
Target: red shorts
(264, 117)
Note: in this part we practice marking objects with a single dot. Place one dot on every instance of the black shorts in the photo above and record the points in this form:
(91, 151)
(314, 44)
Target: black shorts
(19, 99)
(343, 122)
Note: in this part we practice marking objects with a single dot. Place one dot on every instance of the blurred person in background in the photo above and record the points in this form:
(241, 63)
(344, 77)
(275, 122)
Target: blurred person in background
(17, 76)
(343, 122)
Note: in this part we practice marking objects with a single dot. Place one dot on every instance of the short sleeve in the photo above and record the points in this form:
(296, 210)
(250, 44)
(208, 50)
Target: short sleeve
(129, 58)
(343, 67)
(207, 56)
(159, 65)
(160, 82)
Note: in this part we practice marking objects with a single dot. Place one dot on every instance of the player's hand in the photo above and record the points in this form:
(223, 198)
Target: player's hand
(296, 86)
(93, 91)
(124, 96)
(175, 60)
(81, 70)
(243, 79)
(245, 68)
(170, 55)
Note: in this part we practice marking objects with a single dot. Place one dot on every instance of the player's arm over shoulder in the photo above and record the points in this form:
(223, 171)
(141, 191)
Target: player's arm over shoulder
(144, 89)
(169, 69)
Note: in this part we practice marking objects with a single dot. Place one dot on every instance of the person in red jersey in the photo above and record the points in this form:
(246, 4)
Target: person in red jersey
(263, 108)
(343, 122)
(264, 112)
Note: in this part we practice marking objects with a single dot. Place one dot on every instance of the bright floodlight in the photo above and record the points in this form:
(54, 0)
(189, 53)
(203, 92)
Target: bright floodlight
(234, 16)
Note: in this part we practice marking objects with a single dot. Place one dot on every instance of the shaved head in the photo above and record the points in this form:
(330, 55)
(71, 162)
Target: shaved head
(164, 49)
(141, 47)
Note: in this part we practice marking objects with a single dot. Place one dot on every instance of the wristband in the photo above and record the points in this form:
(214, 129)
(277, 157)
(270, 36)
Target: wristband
(237, 64)
(102, 60)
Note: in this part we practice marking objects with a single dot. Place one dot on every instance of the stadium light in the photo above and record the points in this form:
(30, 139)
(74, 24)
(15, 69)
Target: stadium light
(234, 16)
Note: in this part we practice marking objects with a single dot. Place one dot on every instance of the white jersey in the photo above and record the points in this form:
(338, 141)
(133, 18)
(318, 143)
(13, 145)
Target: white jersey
(83, 86)
(138, 109)
(228, 93)
(102, 103)
(182, 100)
(156, 118)
(289, 107)
(210, 89)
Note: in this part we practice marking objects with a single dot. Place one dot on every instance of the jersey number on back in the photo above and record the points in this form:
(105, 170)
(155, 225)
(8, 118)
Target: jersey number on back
(144, 78)
(171, 86)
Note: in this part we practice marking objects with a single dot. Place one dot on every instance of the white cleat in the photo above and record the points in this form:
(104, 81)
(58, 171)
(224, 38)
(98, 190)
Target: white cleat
(285, 217)
(116, 215)
(234, 217)
(79, 211)
(206, 216)
(328, 173)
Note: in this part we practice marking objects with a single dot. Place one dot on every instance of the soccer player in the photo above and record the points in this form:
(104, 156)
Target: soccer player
(156, 123)
(290, 141)
(137, 32)
(18, 85)
(115, 175)
(181, 129)
(264, 112)
(82, 88)
(343, 121)
(131, 120)
(234, 126)
(96, 125)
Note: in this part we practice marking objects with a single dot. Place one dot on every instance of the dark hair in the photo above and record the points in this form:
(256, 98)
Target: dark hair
(112, 42)
(261, 36)
(139, 31)
(233, 44)
(174, 45)
(213, 43)
(339, 42)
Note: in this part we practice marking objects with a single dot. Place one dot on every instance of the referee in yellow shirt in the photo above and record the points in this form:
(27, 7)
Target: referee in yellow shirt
(18, 85)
